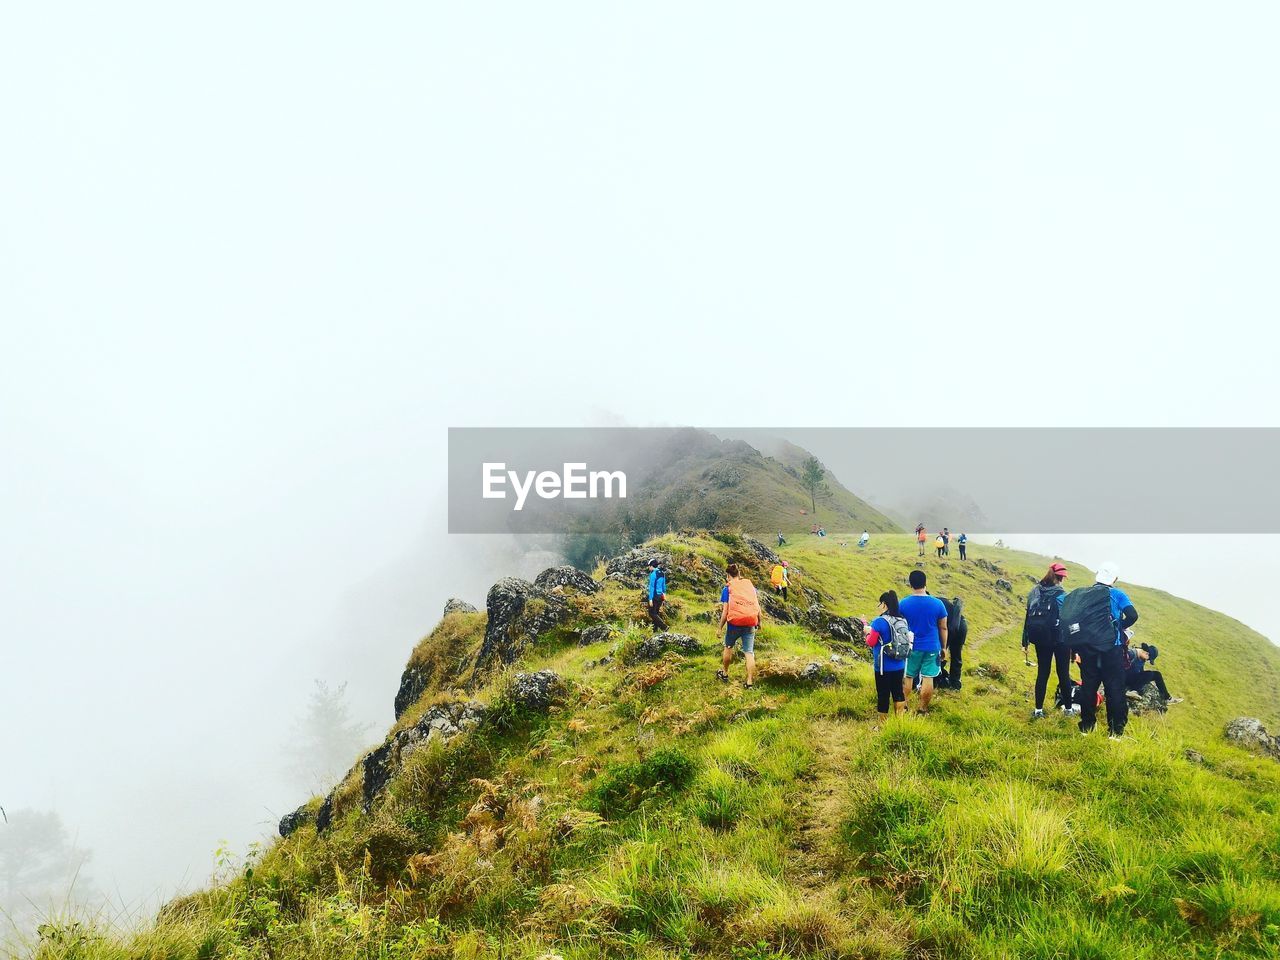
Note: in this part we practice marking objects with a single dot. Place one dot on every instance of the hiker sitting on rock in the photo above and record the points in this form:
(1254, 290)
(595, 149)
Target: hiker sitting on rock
(1136, 674)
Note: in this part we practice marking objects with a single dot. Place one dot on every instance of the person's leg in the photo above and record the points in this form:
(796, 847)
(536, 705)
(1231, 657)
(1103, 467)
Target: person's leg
(1156, 677)
(884, 694)
(749, 654)
(1062, 660)
(1114, 688)
(727, 657)
(926, 693)
(1087, 695)
(956, 647)
(1044, 663)
(896, 684)
(784, 593)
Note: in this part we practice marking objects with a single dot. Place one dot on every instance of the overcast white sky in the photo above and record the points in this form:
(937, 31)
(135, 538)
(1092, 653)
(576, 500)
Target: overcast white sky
(255, 258)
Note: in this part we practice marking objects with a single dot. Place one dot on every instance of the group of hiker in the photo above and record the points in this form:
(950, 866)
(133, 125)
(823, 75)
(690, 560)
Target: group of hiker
(942, 542)
(917, 641)
(1092, 628)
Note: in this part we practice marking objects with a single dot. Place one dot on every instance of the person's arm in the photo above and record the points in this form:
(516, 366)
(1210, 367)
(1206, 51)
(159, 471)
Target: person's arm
(662, 586)
(1128, 617)
(942, 631)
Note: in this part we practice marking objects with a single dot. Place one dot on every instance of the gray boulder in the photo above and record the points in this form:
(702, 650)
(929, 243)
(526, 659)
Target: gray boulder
(1249, 732)
(454, 605)
(845, 630)
(817, 673)
(413, 684)
(290, 822)
(1004, 584)
(536, 691)
(651, 648)
(518, 612)
(596, 633)
(633, 566)
(1148, 701)
(565, 577)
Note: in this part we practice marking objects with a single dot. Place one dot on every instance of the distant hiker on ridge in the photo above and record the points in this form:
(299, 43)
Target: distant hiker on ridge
(781, 539)
(1041, 628)
(927, 618)
(946, 542)
(740, 620)
(1093, 621)
(657, 593)
(940, 545)
(962, 541)
(862, 542)
(922, 535)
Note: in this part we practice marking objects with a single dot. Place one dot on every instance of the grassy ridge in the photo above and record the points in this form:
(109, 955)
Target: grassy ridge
(659, 813)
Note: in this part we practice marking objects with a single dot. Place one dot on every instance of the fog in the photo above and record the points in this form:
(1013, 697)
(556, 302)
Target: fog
(254, 262)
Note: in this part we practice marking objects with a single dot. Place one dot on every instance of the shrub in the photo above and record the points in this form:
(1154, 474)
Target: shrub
(623, 787)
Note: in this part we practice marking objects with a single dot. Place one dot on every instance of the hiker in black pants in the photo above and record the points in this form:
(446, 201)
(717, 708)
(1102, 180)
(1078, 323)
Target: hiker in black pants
(957, 633)
(962, 541)
(657, 594)
(1042, 628)
(1137, 675)
(1102, 663)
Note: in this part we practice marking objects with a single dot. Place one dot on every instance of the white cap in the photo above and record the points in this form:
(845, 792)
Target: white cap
(1108, 573)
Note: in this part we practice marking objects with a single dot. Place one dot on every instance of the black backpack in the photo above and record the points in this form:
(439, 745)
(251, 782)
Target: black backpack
(954, 615)
(1043, 610)
(1087, 623)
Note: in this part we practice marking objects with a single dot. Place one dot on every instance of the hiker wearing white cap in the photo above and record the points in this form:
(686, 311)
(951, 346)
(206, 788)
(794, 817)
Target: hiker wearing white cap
(1094, 620)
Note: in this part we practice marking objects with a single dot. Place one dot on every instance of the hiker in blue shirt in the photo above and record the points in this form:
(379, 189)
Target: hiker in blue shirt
(657, 594)
(888, 671)
(962, 541)
(927, 618)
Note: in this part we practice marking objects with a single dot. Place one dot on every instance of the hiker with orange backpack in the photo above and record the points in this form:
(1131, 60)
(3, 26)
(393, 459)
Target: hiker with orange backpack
(779, 579)
(740, 619)
(922, 535)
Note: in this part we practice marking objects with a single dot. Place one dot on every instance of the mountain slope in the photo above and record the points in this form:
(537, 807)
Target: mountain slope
(630, 805)
(692, 479)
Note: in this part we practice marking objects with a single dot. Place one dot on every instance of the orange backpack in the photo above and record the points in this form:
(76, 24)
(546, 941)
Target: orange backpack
(744, 606)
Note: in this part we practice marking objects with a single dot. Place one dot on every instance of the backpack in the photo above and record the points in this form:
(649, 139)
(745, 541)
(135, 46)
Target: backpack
(1086, 619)
(1043, 613)
(743, 609)
(778, 575)
(896, 646)
(954, 616)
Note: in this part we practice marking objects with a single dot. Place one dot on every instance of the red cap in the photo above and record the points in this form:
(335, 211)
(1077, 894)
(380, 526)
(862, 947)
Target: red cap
(1058, 569)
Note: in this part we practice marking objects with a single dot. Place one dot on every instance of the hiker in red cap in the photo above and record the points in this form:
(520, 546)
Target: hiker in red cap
(1041, 629)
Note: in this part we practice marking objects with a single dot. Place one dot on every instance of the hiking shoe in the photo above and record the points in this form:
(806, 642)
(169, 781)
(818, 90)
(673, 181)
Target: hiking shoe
(1173, 700)
(722, 676)
(1037, 714)
(1133, 695)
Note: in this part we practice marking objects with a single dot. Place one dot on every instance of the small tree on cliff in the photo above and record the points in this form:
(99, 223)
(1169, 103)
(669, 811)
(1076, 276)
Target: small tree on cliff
(813, 475)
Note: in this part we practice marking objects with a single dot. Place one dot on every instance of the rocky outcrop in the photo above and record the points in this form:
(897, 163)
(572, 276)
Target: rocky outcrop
(815, 672)
(651, 648)
(1004, 584)
(565, 577)
(987, 565)
(518, 612)
(1249, 732)
(763, 553)
(413, 684)
(596, 633)
(537, 691)
(1148, 701)
(454, 605)
(846, 630)
(441, 722)
(774, 608)
(632, 567)
(292, 821)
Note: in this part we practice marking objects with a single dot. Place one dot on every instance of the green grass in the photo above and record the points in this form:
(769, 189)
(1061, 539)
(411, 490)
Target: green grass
(662, 814)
